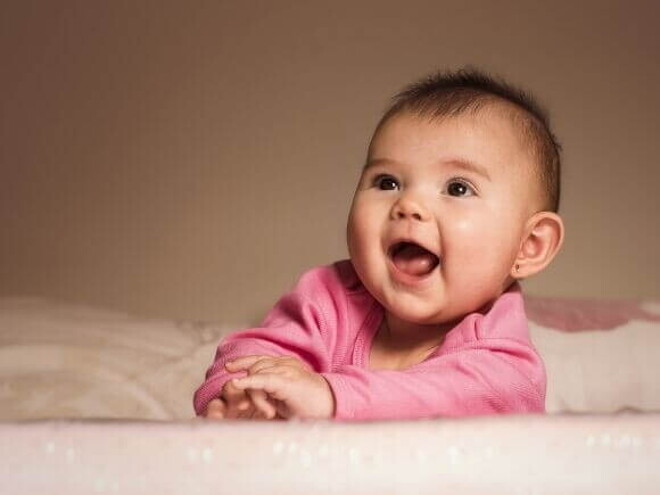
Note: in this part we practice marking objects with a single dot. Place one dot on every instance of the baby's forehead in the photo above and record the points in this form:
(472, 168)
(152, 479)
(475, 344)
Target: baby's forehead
(501, 126)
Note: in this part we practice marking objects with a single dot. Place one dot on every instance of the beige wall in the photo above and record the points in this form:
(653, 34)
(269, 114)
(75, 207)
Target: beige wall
(189, 159)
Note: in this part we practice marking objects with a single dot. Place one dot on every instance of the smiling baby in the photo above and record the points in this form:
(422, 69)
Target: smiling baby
(456, 203)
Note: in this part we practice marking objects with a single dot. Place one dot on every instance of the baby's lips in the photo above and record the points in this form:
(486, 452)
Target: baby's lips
(413, 259)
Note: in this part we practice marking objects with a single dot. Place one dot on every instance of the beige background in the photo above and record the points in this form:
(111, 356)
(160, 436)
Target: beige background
(189, 159)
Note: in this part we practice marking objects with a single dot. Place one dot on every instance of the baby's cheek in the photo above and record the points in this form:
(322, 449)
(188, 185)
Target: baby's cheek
(356, 229)
(469, 233)
(363, 234)
(482, 248)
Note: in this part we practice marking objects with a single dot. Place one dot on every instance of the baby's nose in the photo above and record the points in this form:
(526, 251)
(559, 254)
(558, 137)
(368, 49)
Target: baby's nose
(408, 207)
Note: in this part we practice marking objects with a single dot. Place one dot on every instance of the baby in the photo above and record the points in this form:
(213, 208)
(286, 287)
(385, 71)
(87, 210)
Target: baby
(456, 203)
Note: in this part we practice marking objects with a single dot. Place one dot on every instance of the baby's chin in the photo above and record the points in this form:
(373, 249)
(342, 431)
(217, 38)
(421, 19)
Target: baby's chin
(423, 316)
(447, 315)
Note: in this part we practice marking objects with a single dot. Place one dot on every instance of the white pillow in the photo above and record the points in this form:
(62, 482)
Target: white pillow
(600, 356)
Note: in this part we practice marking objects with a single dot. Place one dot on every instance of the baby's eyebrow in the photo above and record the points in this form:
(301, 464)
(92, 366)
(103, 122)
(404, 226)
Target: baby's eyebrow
(374, 162)
(468, 166)
(460, 163)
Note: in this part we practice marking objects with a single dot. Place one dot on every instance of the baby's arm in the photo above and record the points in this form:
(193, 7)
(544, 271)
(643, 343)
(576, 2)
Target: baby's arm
(254, 401)
(508, 378)
(500, 377)
(291, 329)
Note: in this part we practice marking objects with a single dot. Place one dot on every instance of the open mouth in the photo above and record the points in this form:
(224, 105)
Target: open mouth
(413, 259)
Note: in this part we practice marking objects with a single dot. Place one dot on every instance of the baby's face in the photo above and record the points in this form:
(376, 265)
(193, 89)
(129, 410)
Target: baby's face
(439, 213)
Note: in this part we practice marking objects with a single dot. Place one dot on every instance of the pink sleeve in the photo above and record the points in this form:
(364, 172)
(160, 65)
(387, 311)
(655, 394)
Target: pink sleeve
(488, 380)
(291, 328)
(487, 365)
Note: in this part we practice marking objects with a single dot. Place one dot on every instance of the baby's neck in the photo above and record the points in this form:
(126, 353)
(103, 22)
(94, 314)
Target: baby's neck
(400, 345)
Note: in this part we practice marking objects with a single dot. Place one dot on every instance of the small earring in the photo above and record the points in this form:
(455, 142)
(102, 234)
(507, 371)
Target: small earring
(517, 267)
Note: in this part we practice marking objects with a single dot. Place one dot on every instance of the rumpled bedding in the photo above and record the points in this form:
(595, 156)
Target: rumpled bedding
(69, 361)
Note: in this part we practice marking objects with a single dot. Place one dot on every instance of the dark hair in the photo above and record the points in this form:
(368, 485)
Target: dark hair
(469, 90)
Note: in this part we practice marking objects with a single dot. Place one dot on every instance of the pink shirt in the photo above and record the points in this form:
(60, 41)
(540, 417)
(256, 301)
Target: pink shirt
(486, 365)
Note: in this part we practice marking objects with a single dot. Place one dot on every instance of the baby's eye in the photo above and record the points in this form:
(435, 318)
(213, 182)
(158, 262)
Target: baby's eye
(460, 188)
(386, 183)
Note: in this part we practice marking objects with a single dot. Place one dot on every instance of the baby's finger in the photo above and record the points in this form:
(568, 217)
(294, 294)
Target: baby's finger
(215, 409)
(230, 393)
(238, 409)
(261, 404)
(248, 411)
(236, 401)
(243, 362)
(272, 384)
(294, 362)
(264, 365)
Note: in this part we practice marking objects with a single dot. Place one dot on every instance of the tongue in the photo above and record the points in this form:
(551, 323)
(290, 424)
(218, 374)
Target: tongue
(414, 260)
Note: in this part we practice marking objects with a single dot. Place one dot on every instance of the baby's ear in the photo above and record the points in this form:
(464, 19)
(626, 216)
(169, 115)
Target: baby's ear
(543, 236)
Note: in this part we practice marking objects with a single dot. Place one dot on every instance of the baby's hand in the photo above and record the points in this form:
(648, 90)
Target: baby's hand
(293, 388)
(238, 404)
